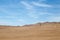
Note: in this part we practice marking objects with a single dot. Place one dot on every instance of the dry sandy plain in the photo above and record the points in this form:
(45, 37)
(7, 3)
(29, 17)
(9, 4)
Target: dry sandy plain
(39, 31)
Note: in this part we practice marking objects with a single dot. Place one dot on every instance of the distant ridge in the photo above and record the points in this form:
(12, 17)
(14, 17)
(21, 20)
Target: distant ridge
(44, 23)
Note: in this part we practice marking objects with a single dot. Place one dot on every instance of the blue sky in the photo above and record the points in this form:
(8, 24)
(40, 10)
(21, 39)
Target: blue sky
(21, 12)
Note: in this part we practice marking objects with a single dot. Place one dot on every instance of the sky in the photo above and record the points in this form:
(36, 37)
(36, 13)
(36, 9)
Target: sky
(22, 12)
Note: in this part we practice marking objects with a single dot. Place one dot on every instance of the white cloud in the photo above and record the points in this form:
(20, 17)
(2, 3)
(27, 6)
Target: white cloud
(3, 10)
(42, 0)
(32, 15)
(45, 13)
(35, 14)
(41, 4)
(7, 23)
(54, 18)
(27, 5)
(21, 20)
(32, 12)
(9, 12)
(14, 17)
(10, 6)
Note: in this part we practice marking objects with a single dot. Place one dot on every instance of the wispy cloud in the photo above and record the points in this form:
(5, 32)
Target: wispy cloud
(42, 0)
(32, 15)
(21, 20)
(8, 17)
(7, 23)
(27, 5)
(41, 4)
(20, 12)
(10, 6)
(35, 14)
(54, 18)
(9, 12)
(31, 11)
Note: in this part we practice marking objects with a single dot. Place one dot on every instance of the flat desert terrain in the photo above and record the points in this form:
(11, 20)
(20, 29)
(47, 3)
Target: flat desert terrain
(39, 31)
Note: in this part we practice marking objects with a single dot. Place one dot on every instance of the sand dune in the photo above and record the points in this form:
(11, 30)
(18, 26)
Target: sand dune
(39, 31)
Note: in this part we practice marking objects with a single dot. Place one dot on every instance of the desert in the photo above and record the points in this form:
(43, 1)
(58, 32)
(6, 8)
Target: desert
(39, 31)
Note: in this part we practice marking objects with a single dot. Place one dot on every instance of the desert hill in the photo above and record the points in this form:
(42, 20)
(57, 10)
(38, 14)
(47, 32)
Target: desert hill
(39, 31)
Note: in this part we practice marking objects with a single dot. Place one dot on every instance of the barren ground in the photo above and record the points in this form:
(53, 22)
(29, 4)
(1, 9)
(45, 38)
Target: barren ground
(46, 31)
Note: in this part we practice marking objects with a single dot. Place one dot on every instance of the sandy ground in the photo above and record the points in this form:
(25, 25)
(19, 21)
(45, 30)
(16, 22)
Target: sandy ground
(34, 32)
